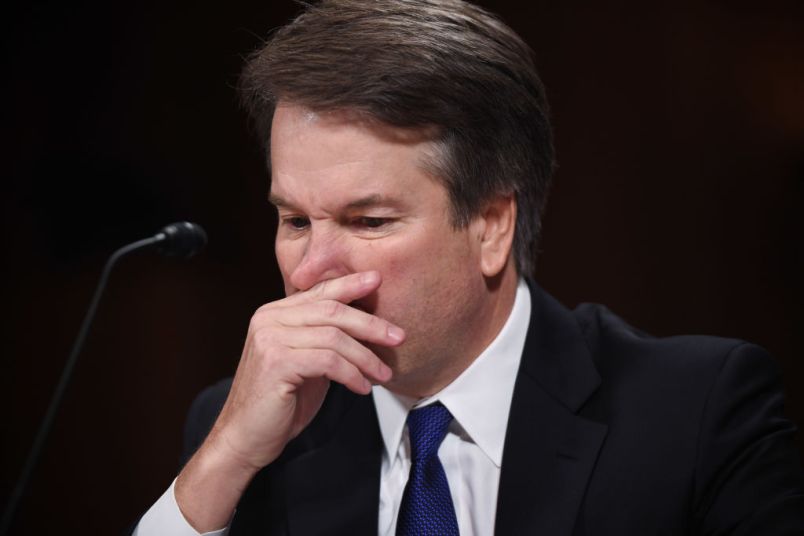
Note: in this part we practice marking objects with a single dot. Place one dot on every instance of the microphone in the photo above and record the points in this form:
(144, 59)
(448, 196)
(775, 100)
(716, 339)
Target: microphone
(180, 239)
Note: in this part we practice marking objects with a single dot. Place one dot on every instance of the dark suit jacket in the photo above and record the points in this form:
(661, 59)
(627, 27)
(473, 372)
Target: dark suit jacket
(610, 432)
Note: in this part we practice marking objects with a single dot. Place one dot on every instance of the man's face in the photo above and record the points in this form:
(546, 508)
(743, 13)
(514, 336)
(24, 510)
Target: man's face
(354, 196)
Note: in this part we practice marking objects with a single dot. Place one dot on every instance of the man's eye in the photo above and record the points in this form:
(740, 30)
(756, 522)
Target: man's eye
(297, 222)
(371, 223)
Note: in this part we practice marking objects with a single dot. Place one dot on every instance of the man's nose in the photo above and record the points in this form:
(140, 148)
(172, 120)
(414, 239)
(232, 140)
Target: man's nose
(324, 257)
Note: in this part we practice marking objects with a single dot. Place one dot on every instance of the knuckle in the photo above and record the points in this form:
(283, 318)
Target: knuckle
(332, 308)
(256, 320)
(366, 356)
(261, 316)
(376, 323)
(375, 328)
(332, 335)
(330, 360)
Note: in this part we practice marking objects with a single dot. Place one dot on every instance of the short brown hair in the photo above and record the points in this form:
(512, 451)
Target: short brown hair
(446, 64)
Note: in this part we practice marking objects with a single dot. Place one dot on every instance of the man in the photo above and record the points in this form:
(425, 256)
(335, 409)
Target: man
(411, 155)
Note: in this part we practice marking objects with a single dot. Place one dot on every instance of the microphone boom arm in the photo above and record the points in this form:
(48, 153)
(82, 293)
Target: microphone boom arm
(163, 240)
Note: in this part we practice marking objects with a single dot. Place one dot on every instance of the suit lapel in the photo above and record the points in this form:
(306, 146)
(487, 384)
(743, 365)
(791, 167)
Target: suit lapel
(334, 489)
(550, 450)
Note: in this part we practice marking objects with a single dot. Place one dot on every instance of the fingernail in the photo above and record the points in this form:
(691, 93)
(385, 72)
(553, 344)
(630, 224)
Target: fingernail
(369, 278)
(396, 333)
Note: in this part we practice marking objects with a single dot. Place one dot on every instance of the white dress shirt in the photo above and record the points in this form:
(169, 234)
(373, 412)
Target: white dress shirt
(471, 453)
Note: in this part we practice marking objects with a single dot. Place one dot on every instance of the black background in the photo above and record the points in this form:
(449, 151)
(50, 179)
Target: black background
(678, 203)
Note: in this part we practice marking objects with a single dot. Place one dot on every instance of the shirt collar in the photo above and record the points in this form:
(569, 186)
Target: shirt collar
(479, 398)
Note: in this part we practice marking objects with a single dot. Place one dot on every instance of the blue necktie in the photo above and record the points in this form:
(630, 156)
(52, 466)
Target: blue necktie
(426, 507)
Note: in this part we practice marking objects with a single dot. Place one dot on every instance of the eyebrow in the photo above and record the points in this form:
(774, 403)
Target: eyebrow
(372, 200)
(277, 201)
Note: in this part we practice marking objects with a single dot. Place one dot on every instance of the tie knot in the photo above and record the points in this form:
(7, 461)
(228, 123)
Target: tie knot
(427, 427)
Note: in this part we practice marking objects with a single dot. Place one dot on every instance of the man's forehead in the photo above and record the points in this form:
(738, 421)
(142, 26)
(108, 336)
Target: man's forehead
(299, 116)
(308, 114)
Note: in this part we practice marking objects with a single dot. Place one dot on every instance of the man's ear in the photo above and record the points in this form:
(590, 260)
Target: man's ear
(496, 234)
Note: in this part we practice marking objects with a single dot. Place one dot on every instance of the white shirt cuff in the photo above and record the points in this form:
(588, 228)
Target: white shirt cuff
(164, 518)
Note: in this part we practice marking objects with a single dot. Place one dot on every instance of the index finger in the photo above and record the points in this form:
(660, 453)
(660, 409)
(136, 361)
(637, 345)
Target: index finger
(344, 289)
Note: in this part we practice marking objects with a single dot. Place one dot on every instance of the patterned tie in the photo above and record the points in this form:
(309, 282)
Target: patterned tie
(426, 507)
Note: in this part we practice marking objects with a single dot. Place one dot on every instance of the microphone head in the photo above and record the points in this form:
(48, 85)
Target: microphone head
(181, 239)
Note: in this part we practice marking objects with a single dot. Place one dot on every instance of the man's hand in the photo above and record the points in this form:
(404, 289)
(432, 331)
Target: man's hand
(294, 348)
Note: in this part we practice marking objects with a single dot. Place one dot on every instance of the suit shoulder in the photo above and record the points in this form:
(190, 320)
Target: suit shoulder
(701, 419)
(611, 338)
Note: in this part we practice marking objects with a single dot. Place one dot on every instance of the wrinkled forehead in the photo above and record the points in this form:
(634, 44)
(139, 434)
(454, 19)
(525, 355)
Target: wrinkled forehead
(305, 138)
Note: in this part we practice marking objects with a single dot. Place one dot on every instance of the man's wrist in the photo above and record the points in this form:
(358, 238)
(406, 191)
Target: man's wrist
(209, 487)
